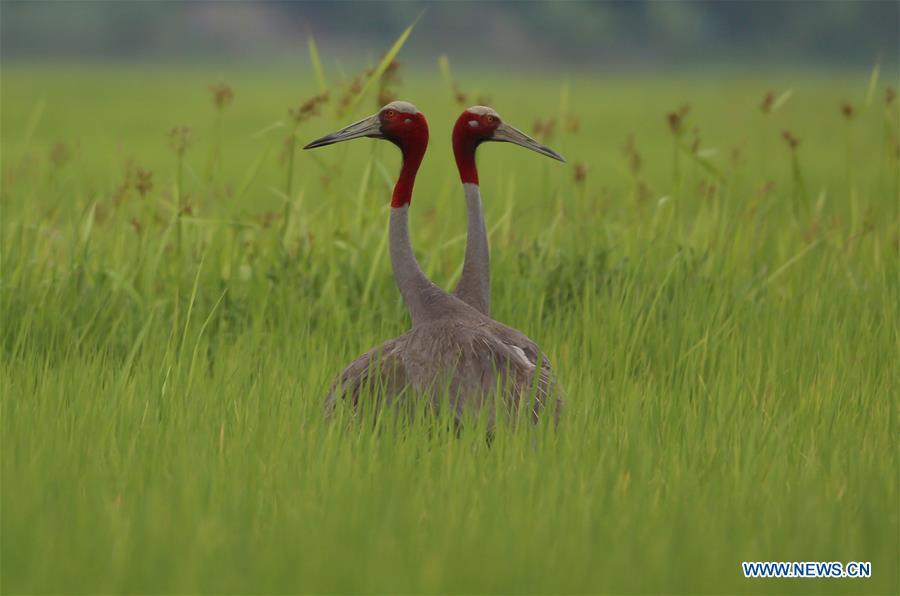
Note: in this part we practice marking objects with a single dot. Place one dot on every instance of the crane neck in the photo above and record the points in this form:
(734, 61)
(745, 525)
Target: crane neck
(413, 153)
(423, 299)
(474, 287)
(464, 152)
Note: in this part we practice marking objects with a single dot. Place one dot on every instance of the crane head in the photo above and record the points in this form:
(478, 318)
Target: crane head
(480, 124)
(399, 122)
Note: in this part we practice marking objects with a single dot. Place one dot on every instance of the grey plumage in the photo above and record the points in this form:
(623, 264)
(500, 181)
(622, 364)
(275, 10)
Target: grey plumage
(452, 349)
(464, 355)
(474, 287)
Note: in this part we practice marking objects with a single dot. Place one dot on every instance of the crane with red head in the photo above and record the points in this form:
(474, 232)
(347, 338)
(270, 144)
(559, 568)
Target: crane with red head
(452, 349)
(477, 125)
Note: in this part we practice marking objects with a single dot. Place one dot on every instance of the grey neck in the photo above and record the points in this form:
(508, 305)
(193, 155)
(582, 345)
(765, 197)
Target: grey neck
(424, 300)
(474, 287)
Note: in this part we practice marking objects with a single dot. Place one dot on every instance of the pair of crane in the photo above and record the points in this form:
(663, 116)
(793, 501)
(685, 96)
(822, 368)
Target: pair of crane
(454, 348)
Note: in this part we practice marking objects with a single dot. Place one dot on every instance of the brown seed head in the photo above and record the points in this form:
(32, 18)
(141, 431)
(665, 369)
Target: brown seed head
(544, 129)
(286, 147)
(632, 156)
(580, 173)
(695, 144)
(458, 95)
(676, 119)
(889, 95)
(60, 154)
(180, 139)
(846, 110)
(267, 218)
(307, 109)
(143, 182)
(352, 90)
(644, 192)
(768, 100)
(222, 95)
(790, 139)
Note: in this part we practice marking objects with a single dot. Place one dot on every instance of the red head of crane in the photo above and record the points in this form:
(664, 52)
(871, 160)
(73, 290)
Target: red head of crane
(400, 123)
(480, 124)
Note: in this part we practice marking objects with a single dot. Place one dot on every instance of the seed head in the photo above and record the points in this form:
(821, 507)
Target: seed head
(180, 139)
(120, 193)
(267, 218)
(889, 95)
(846, 110)
(632, 156)
(222, 95)
(308, 108)
(695, 144)
(351, 91)
(644, 192)
(676, 119)
(768, 100)
(60, 154)
(458, 95)
(707, 188)
(543, 129)
(143, 182)
(790, 139)
(580, 173)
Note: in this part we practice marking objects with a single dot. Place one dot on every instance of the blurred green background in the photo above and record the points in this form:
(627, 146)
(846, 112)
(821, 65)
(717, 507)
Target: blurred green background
(592, 36)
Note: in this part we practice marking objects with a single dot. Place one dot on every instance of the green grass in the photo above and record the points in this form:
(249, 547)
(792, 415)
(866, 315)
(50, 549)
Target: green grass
(727, 339)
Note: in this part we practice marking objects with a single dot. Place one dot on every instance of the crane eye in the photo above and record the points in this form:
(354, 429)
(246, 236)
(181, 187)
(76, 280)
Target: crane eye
(390, 113)
(491, 119)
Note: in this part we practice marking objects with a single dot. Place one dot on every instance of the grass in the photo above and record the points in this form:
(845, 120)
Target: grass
(726, 333)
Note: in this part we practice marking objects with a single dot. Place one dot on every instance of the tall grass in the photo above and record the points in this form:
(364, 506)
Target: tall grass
(731, 369)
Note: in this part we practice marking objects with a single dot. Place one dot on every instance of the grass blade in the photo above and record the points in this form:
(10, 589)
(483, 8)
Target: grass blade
(318, 68)
(873, 83)
(782, 99)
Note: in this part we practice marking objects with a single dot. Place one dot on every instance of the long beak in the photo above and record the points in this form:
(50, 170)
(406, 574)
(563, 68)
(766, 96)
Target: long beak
(508, 134)
(367, 127)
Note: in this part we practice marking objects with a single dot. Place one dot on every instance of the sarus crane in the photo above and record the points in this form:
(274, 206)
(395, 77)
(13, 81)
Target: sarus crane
(452, 348)
(476, 125)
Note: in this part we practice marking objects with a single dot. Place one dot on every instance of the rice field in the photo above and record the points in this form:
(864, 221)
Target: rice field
(714, 274)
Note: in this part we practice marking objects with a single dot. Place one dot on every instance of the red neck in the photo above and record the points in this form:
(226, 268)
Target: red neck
(403, 189)
(412, 142)
(464, 145)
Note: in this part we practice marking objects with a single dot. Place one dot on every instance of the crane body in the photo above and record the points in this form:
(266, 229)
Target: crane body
(452, 349)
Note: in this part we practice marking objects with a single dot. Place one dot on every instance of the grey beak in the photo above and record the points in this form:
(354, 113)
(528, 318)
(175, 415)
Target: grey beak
(367, 127)
(508, 134)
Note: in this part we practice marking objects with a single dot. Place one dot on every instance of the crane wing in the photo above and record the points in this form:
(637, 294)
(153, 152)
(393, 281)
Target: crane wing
(378, 374)
(532, 370)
